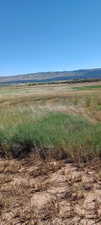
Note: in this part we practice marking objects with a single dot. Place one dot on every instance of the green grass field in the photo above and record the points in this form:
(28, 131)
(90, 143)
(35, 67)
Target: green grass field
(87, 87)
(51, 121)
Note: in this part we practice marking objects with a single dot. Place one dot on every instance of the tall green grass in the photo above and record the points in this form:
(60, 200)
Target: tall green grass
(56, 135)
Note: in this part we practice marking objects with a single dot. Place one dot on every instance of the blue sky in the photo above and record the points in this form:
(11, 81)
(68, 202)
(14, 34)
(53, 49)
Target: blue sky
(49, 35)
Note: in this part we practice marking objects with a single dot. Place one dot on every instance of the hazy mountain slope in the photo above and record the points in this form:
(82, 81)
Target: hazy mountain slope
(53, 76)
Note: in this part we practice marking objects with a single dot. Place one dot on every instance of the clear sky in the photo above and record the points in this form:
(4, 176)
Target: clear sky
(49, 35)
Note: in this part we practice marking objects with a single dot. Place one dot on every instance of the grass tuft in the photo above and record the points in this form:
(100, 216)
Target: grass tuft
(57, 135)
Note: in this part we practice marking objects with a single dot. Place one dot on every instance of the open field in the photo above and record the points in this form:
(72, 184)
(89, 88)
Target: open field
(87, 87)
(53, 112)
(50, 154)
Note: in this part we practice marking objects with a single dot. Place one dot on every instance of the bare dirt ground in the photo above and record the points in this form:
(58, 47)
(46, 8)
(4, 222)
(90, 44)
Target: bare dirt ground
(33, 192)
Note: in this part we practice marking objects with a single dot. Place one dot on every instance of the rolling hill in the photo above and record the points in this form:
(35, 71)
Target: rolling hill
(52, 76)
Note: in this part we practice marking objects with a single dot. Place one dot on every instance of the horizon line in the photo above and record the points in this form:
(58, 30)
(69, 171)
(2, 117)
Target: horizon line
(50, 71)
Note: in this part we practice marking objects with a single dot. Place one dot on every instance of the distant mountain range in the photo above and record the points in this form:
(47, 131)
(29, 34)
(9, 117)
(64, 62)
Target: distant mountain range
(52, 76)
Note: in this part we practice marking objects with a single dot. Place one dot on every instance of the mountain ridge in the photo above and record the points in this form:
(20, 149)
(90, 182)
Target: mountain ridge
(53, 76)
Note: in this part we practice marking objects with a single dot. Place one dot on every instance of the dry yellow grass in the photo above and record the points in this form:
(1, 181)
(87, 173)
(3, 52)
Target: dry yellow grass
(40, 99)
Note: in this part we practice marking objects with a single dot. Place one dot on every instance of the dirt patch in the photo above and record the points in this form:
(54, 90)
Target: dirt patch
(35, 192)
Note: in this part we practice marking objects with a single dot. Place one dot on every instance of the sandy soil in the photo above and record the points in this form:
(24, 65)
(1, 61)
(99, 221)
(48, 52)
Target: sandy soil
(33, 192)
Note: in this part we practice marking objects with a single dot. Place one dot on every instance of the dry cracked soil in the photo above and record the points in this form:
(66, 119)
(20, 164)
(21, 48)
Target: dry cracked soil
(35, 192)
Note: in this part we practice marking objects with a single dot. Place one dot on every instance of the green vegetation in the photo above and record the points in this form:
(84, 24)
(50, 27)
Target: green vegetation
(57, 135)
(87, 87)
(51, 121)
